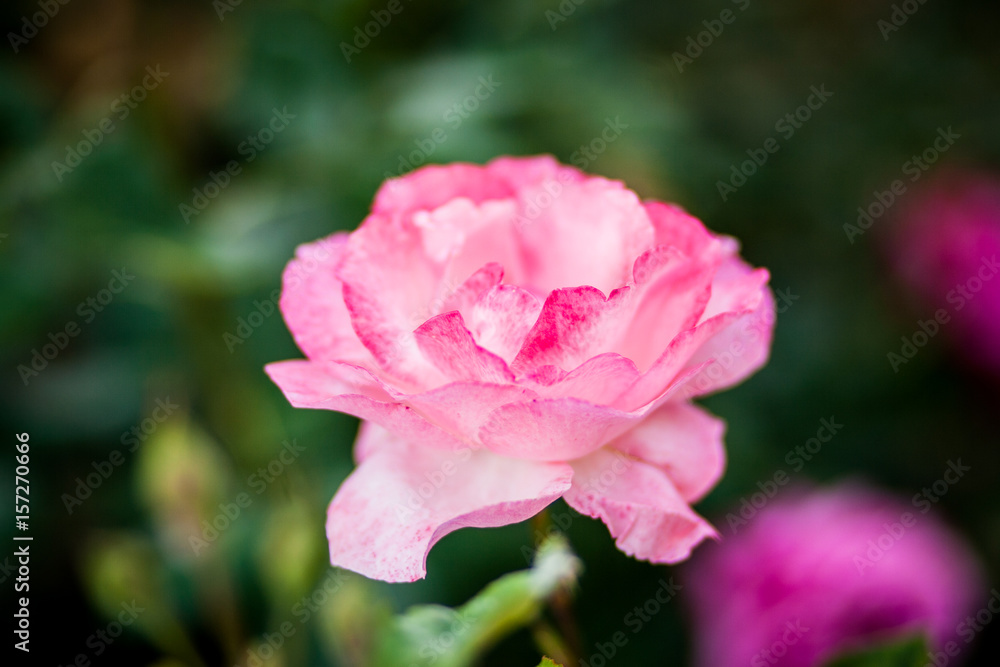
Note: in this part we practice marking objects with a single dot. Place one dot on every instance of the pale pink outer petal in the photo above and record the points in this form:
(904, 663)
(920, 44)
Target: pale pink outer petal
(683, 440)
(461, 408)
(402, 499)
(559, 429)
(554, 429)
(312, 303)
(521, 422)
(357, 392)
(640, 505)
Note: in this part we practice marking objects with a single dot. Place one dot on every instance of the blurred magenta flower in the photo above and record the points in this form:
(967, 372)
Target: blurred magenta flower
(513, 333)
(820, 572)
(947, 249)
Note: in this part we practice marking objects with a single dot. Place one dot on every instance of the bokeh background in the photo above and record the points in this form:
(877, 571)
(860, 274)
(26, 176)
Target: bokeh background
(183, 331)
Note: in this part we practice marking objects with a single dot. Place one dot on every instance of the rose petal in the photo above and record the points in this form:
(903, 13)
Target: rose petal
(389, 284)
(640, 505)
(575, 324)
(462, 236)
(599, 380)
(672, 365)
(501, 319)
(684, 441)
(433, 186)
(464, 298)
(448, 345)
(402, 499)
(462, 408)
(312, 303)
(731, 342)
(559, 429)
(589, 234)
(357, 392)
(736, 287)
(738, 350)
(525, 172)
(676, 228)
(670, 294)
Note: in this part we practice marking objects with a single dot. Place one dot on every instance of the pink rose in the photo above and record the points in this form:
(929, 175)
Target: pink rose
(819, 572)
(945, 246)
(511, 334)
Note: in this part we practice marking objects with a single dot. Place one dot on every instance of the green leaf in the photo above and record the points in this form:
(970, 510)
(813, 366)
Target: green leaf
(909, 652)
(547, 662)
(456, 637)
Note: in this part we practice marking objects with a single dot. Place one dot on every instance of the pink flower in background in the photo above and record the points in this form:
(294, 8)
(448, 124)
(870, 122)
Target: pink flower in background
(826, 571)
(511, 334)
(947, 248)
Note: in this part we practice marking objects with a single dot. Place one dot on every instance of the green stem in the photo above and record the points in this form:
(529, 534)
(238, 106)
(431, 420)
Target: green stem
(551, 644)
(541, 524)
(561, 605)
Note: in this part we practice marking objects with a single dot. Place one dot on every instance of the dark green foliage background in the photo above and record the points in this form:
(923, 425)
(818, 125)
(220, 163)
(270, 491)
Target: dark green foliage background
(163, 336)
